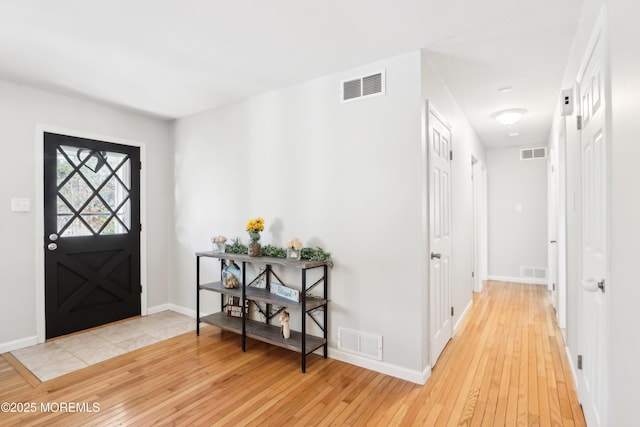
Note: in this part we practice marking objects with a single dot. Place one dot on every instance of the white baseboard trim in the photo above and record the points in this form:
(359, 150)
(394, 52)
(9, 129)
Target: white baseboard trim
(158, 308)
(384, 368)
(373, 365)
(172, 307)
(18, 344)
(462, 317)
(525, 280)
(426, 374)
(183, 310)
(574, 373)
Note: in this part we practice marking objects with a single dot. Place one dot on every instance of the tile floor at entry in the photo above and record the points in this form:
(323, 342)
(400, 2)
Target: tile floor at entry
(64, 355)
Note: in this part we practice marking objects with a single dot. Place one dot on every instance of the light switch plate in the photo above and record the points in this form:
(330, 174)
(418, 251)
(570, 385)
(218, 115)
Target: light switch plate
(20, 204)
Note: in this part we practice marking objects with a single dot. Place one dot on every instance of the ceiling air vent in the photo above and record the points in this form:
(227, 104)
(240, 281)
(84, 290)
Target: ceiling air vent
(362, 87)
(533, 153)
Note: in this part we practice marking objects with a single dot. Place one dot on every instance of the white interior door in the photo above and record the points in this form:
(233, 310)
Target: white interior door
(561, 227)
(478, 225)
(552, 204)
(593, 307)
(440, 233)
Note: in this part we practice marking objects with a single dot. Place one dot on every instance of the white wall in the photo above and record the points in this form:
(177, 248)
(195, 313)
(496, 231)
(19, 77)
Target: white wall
(516, 238)
(22, 109)
(346, 177)
(465, 145)
(625, 212)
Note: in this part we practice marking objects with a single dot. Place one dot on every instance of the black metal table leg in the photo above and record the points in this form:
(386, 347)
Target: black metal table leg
(197, 295)
(244, 301)
(326, 309)
(303, 295)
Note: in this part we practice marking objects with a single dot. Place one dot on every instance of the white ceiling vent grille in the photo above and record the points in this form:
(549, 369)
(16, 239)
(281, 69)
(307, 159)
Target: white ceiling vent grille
(533, 153)
(362, 87)
(360, 343)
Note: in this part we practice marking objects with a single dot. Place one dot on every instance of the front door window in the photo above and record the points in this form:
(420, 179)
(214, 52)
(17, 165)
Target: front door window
(92, 192)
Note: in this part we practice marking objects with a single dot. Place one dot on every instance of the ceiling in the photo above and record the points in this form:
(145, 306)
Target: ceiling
(172, 58)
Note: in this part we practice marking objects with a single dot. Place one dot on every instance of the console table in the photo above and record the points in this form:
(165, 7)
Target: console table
(268, 304)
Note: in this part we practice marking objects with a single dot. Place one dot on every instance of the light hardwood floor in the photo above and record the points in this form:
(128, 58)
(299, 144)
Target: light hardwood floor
(506, 366)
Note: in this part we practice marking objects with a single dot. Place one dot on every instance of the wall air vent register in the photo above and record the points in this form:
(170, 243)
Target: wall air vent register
(362, 87)
(533, 153)
(360, 343)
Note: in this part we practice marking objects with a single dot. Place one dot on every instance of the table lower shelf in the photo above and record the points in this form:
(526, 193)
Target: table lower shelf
(265, 333)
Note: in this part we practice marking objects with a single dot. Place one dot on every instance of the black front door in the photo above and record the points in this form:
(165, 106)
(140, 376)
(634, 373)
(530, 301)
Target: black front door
(92, 233)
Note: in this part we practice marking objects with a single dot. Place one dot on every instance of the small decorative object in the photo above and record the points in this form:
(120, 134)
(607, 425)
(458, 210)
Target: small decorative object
(218, 243)
(231, 275)
(294, 248)
(285, 331)
(284, 292)
(254, 227)
(234, 308)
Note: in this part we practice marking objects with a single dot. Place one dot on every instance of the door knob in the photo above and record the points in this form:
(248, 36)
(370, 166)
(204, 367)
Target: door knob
(589, 285)
(53, 237)
(552, 241)
(52, 246)
(593, 285)
(435, 255)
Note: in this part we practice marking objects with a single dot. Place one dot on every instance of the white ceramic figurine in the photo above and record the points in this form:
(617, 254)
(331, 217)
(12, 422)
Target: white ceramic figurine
(284, 322)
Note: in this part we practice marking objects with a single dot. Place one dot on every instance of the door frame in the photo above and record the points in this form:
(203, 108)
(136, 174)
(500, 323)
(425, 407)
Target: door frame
(553, 225)
(599, 33)
(479, 203)
(430, 109)
(38, 208)
(561, 224)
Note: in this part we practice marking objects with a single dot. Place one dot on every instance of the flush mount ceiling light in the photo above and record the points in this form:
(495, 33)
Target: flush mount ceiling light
(509, 117)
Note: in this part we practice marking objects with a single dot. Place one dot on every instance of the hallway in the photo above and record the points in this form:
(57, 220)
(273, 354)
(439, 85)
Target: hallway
(506, 366)
(515, 366)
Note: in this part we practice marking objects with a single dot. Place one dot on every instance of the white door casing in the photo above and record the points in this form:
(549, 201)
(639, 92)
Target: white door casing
(439, 139)
(561, 227)
(553, 227)
(479, 226)
(594, 154)
(474, 233)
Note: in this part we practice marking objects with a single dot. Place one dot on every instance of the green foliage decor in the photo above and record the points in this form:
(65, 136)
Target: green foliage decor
(273, 251)
(311, 254)
(317, 254)
(235, 247)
